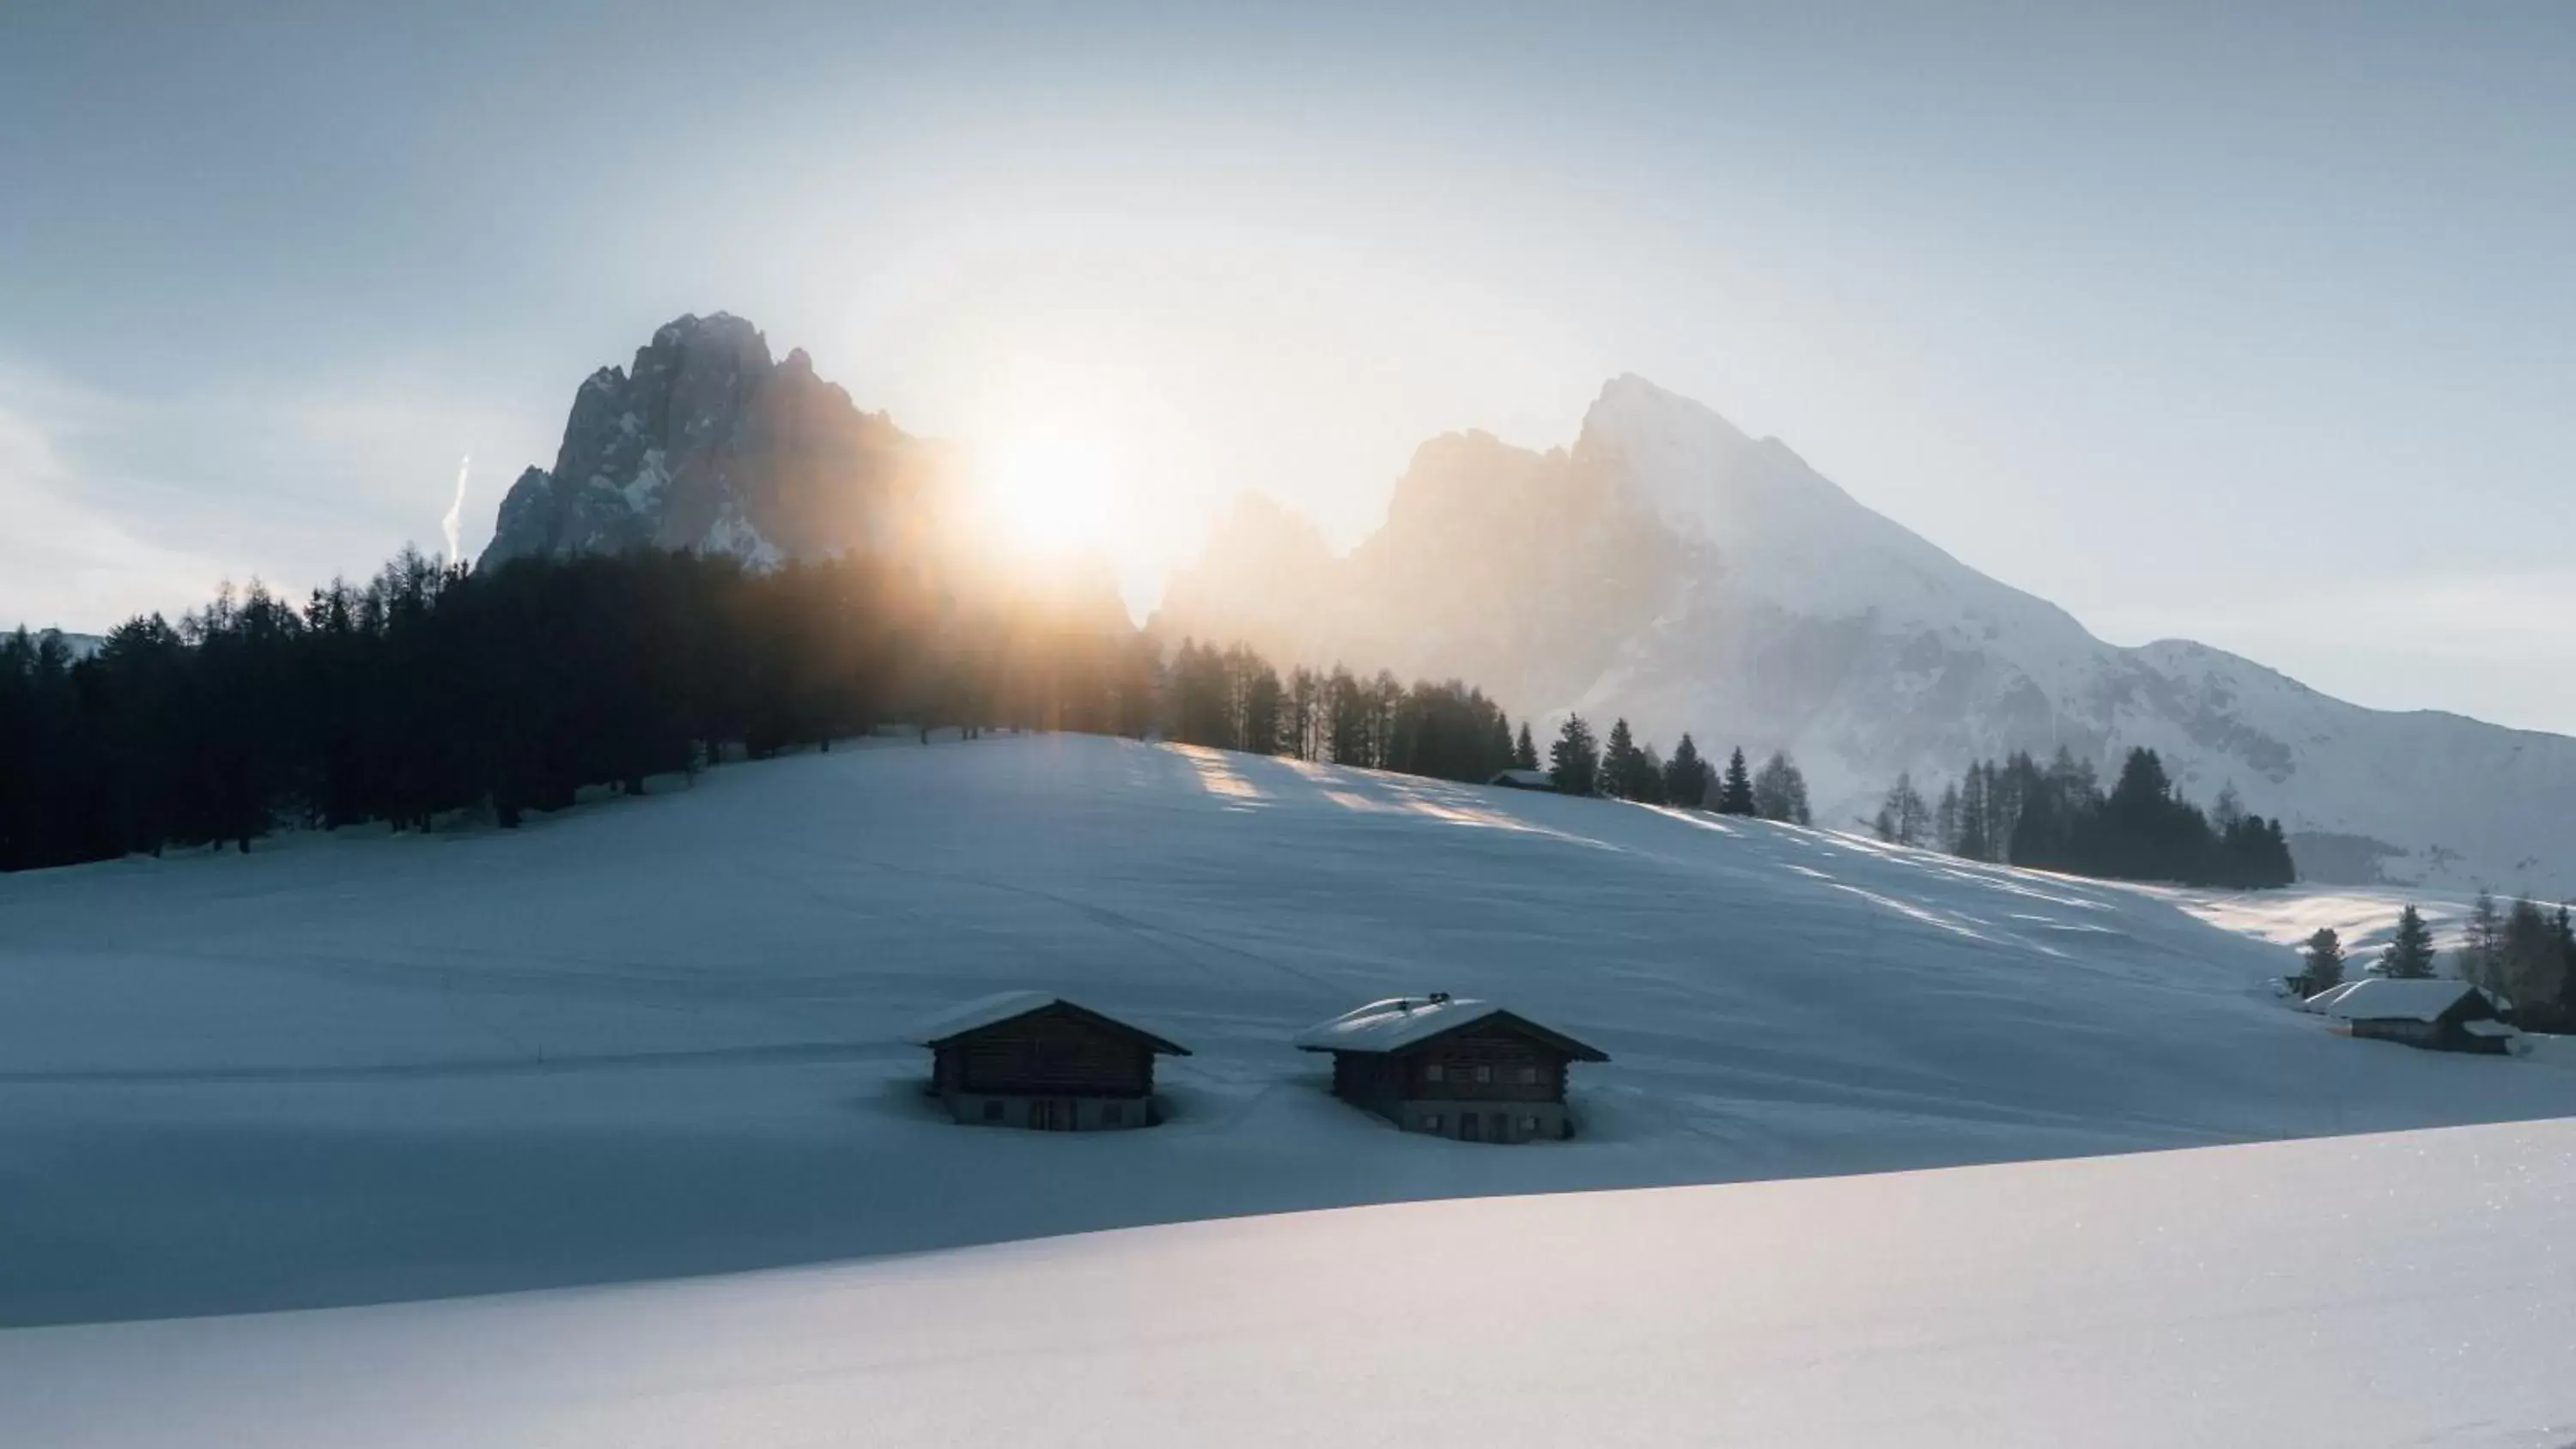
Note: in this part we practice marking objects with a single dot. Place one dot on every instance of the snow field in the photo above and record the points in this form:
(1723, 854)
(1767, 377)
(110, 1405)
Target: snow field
(658, 1037)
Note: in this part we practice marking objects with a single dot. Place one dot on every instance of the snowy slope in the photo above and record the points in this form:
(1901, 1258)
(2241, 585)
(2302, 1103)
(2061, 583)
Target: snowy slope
(1952, 665)
(2403, 1290)
(1673, 570)
(663, 1036)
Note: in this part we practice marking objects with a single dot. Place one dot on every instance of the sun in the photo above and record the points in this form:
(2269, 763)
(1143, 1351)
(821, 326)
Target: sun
(1050, 495)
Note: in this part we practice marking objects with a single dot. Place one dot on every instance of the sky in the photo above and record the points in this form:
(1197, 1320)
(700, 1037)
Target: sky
(2254, 325)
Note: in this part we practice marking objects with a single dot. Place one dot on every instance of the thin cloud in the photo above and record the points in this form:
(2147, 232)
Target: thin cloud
(66, 562)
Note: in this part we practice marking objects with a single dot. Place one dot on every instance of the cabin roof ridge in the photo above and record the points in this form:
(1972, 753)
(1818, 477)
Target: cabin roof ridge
(1402, 1023)
(1006, 1006)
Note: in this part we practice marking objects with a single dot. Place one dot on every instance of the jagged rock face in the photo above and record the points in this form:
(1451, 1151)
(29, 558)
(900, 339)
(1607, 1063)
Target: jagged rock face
(705, 443)
(1674, 571)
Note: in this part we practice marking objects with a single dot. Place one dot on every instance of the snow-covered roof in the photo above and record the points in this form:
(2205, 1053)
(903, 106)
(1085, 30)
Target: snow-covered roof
(1525, 779)
(2324, 1000)
(2384, 998)
(2487, 1028)
(1406, 1021)
(1004, 1006)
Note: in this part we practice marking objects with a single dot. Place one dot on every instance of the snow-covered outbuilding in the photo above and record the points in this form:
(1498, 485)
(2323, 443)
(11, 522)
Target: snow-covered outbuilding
(2429, 1012)
(1519, 779)
(1029, 1059)
(1452, 1067)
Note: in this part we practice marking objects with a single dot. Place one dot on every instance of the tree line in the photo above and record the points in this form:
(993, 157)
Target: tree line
(2058, 817)
(432, 688)
(1579, 763)
(2524, 953)
(1234, 699)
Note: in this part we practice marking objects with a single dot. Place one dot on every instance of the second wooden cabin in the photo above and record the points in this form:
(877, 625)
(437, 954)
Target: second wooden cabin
(1452, 1067)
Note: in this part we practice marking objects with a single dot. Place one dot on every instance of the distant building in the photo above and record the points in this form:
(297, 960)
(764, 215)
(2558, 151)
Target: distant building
(1027, 1059)
(1452, 1067)
(2438, 1015)
(1524, 780)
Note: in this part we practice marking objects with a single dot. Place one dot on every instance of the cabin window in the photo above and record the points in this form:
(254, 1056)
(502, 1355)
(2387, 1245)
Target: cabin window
(992, 1110)
(1484, 1074)
(1431, 1122)
(1529, 1076)
(1529, 1125)
(1434, 1072)
(1113, 1114)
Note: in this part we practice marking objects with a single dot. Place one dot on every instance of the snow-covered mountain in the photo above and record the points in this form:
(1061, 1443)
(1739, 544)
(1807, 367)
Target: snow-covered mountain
(706, 443)
(1673, 570)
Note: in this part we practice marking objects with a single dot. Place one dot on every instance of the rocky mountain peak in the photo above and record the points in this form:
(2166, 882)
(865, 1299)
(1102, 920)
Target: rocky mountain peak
(705, 443)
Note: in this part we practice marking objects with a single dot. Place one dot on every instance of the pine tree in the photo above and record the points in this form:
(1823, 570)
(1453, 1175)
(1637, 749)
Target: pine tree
(1262, 695)
(2530, 960)
(2229, 809)
(1525, 751)
(1945, 820)
(1647, 786)
(1780, 791)
(1574, 761)
(2481, 950)
(2409, 953)
(1735, 794)
(1975, 839)
(2324, 957)
(1619, 763)
(1298, 713)
(1686, 775)
(1904, 819)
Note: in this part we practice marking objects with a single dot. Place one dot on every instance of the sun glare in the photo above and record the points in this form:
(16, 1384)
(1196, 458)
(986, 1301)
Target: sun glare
(1050, 495)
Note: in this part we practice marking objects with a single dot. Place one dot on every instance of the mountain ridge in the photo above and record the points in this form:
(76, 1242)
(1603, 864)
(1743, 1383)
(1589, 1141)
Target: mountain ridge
(1755, 601)
(1665, 566)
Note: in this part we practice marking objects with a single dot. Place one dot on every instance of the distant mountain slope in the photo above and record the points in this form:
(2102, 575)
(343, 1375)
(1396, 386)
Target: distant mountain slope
(1673, 570)
(706, 443)
(78, 646)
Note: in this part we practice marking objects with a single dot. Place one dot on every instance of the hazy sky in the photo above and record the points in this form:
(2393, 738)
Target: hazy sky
(2255, 324)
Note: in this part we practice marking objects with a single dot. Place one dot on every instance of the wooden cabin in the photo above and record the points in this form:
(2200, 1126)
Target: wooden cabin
(1028, 1059)
(1452, 1067)
(1520, 779)
(2435, 1014)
